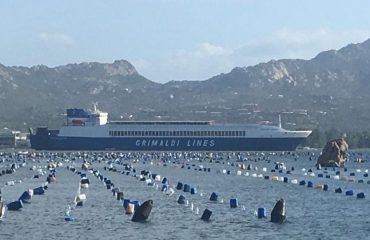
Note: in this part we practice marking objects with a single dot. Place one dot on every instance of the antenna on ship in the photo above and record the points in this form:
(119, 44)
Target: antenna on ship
(95, 104)
(279, 124)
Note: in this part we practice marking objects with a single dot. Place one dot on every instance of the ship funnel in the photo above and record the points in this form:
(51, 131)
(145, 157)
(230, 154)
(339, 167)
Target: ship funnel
(279, 124)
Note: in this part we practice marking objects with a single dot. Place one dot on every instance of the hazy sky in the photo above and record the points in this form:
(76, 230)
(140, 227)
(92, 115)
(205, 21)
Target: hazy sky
(176, 39)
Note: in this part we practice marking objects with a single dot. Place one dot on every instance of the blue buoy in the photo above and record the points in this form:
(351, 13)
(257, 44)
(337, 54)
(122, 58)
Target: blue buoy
(302, 183)
(186, 187)
(85, 181)
(288, 172)
(213, 197)
(326, 187)
(209, 169)
(136, 203)
(327, 176)
(349, 193)
(338, 190)
(309, 184)
(206, 215)
(233, 203)
(25, 197)
(119, 195)
(164, 180)
(352, 174)
(320, 175)
(83, 175)
(267, 177)
(337, 173)
(164, 187)
(366, 175)
(16, 205)
(109, 186)
(193, 190)
(285, 179)
(360, 181)
(179, 186)
(361, 195)
(39, 191)
(181, 199)
(126, 202)
(273, 170)
(345, 169)
(261, 213)
(69, 219)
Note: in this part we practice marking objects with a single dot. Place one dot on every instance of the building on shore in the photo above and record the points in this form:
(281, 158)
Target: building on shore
(10, 138)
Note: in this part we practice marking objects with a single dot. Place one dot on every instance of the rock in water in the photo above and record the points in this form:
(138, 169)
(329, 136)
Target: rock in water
(278, 214)
(333, 154)
(142, 213)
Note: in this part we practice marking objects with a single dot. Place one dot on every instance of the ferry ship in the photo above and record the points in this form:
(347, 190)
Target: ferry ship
(90, 130)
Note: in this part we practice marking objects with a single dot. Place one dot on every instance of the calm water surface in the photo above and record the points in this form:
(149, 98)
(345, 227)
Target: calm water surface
(312, 213)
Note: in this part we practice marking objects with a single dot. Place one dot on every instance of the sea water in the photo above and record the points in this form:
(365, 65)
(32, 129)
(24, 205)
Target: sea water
(311, 213)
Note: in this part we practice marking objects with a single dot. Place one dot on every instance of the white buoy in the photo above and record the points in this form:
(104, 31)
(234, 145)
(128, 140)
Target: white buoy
(264, 169)
(170, 192)
(239, 173)
(192, 206)
(201, 194)
(336, 177)
(246, 174)
(254, 175)
(197, 211)
(294, 181)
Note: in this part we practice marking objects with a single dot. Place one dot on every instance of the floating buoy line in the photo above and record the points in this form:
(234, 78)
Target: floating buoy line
(185, 193)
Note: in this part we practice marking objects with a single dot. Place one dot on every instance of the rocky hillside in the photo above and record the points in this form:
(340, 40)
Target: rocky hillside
(330, 90)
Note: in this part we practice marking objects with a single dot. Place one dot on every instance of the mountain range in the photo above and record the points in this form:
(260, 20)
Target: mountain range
(331, 90)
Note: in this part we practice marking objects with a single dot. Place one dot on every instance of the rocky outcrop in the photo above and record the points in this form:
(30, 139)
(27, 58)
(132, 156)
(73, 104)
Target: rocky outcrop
(333, 154)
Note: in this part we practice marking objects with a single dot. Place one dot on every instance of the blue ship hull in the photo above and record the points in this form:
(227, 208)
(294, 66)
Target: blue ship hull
(54, 142)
